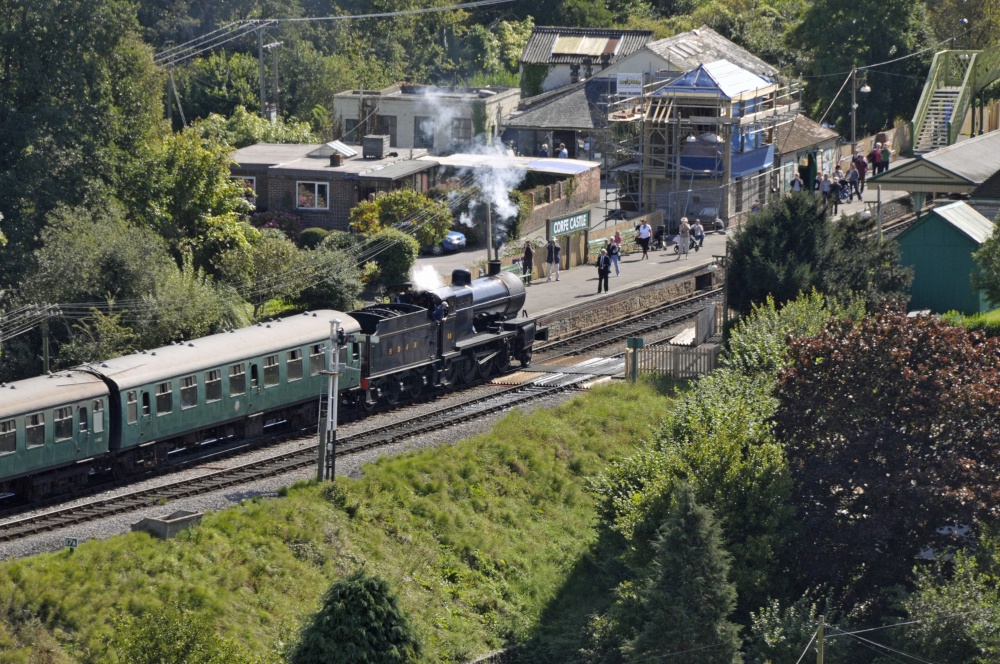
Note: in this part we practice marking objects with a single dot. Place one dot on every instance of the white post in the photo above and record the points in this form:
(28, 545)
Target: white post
(878, 212)
(333, 400)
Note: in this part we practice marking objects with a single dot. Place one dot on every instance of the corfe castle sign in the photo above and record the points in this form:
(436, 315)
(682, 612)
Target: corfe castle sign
(571, 224)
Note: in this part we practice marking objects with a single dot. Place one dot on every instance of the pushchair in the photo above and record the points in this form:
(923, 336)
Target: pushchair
(694, 244)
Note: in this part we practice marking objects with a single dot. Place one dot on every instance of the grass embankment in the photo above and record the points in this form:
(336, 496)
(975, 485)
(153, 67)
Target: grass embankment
(475, 538)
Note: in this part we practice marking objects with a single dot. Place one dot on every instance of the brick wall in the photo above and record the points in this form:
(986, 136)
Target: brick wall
(553, 200)
(343, 197)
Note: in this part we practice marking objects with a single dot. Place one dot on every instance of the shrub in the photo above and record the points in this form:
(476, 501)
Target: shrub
(395, 252)
(287, 222)
(311, 238)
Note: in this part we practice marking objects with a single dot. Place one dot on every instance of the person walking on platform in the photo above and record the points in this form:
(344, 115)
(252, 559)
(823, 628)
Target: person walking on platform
(642, 234)
(603, 270)
(614, 251)
(886, 157)
(552, 255)
(527, 260)
(861, 164)
(684, 238)
(853, 178)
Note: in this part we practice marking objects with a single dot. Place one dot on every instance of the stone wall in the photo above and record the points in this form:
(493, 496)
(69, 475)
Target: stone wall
(556, 200)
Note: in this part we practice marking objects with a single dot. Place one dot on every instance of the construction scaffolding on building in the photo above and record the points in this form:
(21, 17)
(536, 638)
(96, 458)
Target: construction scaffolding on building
(701, 144)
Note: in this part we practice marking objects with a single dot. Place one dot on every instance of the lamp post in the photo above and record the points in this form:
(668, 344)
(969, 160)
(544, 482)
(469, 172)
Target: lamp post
(854, 102)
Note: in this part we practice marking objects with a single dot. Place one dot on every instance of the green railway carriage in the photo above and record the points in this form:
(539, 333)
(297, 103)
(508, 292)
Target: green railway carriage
(55, 423)
(228, 384)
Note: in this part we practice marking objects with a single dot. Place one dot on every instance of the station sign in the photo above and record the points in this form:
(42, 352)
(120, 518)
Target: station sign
(571, 224)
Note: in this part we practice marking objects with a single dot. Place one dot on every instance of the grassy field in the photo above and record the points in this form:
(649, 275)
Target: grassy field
(480, 540)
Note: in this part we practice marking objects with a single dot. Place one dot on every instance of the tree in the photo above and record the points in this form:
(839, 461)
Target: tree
(835, 40)
(360, 621)
(242, 128)
(687, 596)
(80, 98)
(270, 266)
(406, 210)
(219, 83)
(792, 246)
(394, 252)
(987, 276)
(889, 425)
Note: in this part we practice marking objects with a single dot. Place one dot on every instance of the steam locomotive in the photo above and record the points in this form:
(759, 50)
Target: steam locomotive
(126, 415)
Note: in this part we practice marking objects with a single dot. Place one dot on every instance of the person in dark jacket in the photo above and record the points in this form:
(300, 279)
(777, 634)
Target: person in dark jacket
(552, 254)
(603, 270)
(527, 260)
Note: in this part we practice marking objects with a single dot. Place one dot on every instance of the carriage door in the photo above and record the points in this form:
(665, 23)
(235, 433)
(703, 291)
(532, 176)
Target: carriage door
(147, 418)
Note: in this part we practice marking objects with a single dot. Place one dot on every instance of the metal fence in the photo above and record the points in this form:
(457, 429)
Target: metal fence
(677, 362)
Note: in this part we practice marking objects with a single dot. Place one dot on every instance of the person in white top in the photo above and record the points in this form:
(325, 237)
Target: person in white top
(642, 235)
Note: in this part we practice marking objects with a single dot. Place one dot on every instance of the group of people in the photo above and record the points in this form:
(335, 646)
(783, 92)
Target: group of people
(553, 256)
(839, 186)
(561, 152)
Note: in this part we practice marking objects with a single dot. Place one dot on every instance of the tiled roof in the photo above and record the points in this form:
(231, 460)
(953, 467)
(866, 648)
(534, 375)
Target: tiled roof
(799, 134)
(687, 50)
(570, 107)
(556, 46)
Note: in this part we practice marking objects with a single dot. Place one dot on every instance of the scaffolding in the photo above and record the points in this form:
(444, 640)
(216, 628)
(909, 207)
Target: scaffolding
(693, 152)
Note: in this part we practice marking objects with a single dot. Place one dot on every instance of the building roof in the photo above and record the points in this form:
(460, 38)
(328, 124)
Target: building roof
(556, 46)
(687, 50)
(962, 216)
(799, 134)
(716, 78)
(417, 93)
(539, 165)
(956, 169)
(989, 189)
(308, 160)
(576, 106)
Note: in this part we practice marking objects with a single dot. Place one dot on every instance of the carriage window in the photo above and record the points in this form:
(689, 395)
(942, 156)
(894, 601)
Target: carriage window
(237, 380)
(213, 385)
(84, 421)
(317, 359)
(145, 404)
(99, 416)
(355, 352)
(189, 392)
(132, 405)
(34, 430)
(164, 399)
(271, 371)
(254, 380)
(63, 418)
(8, 437)
(293, 365)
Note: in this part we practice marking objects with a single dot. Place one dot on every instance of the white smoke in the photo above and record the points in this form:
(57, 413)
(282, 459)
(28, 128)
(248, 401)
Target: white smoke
(425, 278)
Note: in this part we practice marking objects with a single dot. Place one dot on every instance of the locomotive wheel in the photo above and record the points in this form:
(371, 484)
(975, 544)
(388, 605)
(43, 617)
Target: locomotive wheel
(391, 390)
(501, 364)
(525, 357)
(469, 369)
(415, 382)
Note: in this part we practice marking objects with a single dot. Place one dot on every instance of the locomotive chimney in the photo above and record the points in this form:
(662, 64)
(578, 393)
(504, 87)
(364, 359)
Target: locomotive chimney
(461, 277)
(493, 268)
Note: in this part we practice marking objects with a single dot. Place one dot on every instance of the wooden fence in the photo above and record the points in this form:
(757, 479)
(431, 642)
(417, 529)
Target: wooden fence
(677, 362)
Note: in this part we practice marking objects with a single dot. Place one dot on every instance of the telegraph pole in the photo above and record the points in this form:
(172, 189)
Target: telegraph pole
(260, 62)
(327, 467)
(819, 640)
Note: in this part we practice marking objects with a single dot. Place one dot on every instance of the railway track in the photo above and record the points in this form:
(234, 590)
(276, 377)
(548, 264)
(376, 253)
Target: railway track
(13, 527)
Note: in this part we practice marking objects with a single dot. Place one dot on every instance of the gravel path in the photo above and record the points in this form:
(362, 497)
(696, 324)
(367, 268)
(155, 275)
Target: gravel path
(351, 466)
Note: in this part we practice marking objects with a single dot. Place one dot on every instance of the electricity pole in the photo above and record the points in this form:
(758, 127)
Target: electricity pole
(327, 469)
(260, 62)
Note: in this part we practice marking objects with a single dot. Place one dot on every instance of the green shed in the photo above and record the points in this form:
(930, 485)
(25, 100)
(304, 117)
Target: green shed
(939, 248)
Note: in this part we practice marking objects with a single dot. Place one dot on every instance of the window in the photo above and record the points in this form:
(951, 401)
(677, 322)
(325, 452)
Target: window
(423, 132)
(271, 371)
(84, 420)
(63, 418)
(99, 415)
(249, 186)
(237, 380)
(213, 386)
(164, 399)
(132, 406)
(312, 195)
(351, 131)
(8, 437)
(293, 365)
(145, 404)
(34, 430)
(387, 125)
(461, 130)
(317, 359)
(189, 392)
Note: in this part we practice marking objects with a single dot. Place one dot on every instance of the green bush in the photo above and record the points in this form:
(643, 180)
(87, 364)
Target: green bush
(987, 322)
(395, 253)
(311, 238)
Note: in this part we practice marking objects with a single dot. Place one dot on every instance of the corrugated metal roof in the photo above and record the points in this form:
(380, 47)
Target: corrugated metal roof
(554, 45)
(975, 159)
(687, 50)
(964, 217)
(328, 149)
(722, 77)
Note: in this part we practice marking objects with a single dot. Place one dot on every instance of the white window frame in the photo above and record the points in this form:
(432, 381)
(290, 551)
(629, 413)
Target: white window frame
(315, 184)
